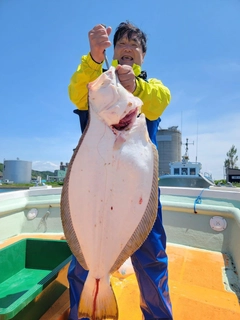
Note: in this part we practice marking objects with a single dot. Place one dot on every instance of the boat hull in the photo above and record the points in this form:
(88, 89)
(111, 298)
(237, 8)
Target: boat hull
(184, 181)
(204, 264)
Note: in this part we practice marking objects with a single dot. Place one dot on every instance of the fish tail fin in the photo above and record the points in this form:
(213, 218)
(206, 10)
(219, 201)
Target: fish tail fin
(97, 300)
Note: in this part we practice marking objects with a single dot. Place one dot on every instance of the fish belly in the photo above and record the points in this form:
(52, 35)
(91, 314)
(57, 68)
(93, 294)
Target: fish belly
(108, 193)
(108, 206)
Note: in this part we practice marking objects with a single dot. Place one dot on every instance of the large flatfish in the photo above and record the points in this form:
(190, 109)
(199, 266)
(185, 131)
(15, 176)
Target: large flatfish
(109, 196)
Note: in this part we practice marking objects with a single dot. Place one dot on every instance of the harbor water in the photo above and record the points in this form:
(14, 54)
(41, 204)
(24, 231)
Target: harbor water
(8, 190)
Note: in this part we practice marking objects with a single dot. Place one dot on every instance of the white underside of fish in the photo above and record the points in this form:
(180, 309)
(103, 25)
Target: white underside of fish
(109, 203)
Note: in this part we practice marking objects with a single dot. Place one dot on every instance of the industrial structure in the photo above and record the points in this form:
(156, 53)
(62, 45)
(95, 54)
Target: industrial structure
(59, 175)
(169, 148)
(17, 171)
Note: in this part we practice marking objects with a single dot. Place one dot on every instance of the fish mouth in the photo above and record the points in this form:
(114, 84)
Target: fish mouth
(126, 122)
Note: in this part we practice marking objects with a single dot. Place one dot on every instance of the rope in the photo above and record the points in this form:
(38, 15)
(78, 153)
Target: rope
(198, 200)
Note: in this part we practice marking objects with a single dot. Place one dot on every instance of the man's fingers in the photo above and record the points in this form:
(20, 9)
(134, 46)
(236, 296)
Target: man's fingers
(99, 41)
(98, 37)
(109, 30)
(121, 70)
(126, 77)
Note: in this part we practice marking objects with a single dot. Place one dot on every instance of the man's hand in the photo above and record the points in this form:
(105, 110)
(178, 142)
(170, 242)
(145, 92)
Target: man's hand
(99, 41)
(127, 77)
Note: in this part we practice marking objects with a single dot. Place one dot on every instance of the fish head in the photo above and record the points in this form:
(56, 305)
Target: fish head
(102, 92)
(112, 102)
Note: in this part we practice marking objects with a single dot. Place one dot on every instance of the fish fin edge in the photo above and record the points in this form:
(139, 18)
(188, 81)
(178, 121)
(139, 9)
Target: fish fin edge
(146, 225)
(106, 303)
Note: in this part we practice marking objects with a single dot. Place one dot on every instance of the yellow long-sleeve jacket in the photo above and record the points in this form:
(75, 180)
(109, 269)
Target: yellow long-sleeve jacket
(154, 94)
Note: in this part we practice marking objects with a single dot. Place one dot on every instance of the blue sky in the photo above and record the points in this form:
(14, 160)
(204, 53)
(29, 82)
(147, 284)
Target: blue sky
(193, 47)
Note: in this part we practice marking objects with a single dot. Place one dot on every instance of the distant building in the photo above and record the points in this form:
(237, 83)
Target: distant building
(17, 171)
(169, 148)
(232, 175)
(59, 175)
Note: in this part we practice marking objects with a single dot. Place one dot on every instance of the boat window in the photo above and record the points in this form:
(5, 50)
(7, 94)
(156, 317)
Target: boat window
(176, 170)
(192, 171)
(184, 171)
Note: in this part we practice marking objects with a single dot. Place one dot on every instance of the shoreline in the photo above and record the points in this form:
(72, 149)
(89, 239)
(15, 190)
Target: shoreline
(8, 186)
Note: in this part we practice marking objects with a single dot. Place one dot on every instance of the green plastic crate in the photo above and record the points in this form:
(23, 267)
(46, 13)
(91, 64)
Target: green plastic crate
(29, 273)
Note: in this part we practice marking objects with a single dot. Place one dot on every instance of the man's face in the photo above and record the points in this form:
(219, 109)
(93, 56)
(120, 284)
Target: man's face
(129, 51)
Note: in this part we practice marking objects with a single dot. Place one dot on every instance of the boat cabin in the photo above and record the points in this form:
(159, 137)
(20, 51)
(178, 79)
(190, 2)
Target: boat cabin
(185, 167)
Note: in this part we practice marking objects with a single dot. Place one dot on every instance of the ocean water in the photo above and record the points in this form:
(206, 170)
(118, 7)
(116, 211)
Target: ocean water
(7, 190)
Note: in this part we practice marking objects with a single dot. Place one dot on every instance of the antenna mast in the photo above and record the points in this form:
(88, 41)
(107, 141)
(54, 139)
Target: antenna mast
(197, 143)
(186, 157)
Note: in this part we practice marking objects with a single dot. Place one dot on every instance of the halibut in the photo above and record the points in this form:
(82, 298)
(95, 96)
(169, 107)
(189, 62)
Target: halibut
(110, 194)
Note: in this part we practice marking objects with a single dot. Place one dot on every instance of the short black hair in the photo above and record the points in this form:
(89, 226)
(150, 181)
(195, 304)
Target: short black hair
(129, 29)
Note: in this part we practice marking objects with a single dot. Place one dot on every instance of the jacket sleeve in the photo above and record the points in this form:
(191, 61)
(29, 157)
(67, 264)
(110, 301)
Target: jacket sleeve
(155, 97)
(86, 72)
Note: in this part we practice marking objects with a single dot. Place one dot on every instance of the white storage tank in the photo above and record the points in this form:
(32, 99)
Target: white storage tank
(18, 171)
(169, 148)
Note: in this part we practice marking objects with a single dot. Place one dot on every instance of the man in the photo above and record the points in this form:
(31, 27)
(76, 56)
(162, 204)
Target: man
(150, 260)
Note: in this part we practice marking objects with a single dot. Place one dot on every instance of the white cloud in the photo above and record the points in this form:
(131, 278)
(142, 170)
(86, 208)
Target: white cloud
(45, 166)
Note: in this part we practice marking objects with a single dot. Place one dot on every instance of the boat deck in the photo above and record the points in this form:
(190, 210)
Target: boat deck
(203, 285)
(197, 281)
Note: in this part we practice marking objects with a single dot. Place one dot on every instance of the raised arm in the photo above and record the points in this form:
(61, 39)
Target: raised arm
(86, 72)
(90, 67)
